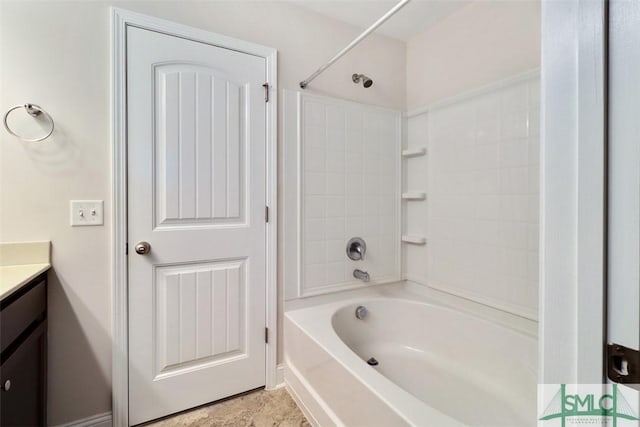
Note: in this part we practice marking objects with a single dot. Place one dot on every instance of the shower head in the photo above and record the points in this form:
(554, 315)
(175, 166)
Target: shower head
(366, 81)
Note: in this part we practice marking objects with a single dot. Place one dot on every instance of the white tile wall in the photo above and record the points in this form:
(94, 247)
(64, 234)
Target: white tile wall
(350, 187)
(482, 223)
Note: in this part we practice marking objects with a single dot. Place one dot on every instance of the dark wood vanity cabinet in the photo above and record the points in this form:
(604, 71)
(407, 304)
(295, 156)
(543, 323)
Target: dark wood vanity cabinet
(23, 355)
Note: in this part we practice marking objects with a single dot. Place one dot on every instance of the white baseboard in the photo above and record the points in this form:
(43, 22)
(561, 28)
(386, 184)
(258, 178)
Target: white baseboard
(280, 375)
(100, 420)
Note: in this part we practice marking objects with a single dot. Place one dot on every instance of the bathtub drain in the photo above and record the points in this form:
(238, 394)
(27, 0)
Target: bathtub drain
(372, 361)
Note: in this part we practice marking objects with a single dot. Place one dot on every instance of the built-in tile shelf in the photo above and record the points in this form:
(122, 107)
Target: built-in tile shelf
(414, 152)
(414, 240)
(414, 195)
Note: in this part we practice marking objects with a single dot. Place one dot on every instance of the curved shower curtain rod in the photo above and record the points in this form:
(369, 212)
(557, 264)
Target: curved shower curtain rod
(386, 16)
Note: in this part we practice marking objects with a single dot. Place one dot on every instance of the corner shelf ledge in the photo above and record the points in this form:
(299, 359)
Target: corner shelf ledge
(414, 240)
(414, 195)
(414, 152)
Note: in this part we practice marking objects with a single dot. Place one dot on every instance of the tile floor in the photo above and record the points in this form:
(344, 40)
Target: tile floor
(260, 408)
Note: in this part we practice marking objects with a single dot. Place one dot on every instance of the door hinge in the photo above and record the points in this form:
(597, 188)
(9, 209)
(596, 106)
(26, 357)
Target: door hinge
(266, 335)
(266, 92)
(126, 249)
(266, 214)
(623, 364)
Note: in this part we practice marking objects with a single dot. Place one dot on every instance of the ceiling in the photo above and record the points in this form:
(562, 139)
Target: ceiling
(415, 17)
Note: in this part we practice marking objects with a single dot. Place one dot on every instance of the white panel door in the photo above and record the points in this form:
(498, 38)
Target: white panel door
(196, 194)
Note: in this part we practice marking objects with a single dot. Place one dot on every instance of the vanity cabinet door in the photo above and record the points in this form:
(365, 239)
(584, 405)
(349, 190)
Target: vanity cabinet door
(23, 384)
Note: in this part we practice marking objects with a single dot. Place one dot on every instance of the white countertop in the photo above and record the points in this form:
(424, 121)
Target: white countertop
(21, 262)
(13, 277)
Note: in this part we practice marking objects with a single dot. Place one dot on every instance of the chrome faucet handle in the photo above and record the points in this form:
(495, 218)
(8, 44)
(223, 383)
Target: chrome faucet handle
(356, 248)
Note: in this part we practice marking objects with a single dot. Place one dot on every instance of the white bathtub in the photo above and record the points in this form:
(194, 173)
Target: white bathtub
(439, 365)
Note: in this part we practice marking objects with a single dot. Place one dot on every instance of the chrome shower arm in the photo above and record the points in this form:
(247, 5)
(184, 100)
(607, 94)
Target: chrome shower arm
(372, 28)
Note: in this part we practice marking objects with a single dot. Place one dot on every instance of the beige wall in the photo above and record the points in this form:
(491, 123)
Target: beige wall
(479, 44)
(56, 54)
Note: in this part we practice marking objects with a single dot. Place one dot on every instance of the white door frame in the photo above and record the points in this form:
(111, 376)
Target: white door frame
(120, 19)
(573, 192)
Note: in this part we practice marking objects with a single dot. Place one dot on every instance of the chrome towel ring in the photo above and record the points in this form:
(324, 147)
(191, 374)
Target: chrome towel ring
(34, 111)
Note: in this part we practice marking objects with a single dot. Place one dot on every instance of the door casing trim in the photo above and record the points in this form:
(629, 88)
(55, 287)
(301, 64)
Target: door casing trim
(120, 19)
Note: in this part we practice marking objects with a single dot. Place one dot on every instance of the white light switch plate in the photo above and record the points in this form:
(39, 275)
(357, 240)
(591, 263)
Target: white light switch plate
(87, 212)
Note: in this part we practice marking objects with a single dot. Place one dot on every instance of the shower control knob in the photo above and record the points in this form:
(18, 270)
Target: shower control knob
(142, 248)
(356, 248)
